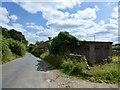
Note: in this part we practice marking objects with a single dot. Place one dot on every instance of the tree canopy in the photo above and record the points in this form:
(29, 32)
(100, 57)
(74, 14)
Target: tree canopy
(14, 35)
(63, 44)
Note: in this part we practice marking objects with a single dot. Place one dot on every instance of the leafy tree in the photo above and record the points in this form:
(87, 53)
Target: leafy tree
(5, 32)
(13, 34)
(31, 47)
(38, 42)
(63, 44)
(17, 36)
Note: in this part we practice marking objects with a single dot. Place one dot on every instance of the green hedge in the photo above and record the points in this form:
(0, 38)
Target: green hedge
(11, 49)
(17, 47)
(6, 53)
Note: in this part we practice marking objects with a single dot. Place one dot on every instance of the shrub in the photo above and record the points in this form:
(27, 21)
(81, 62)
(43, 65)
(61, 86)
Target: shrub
(31, 47)
(51, 59)
(17, 47)
(67, 66)
(6, 53)
(72, 68)
(37, 52)
(108, 73)
(115, 52)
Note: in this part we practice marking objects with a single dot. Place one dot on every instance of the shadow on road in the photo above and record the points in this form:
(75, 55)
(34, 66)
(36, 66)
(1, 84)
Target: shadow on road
(43, 66)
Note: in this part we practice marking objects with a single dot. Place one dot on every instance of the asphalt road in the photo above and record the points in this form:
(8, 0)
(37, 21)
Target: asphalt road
(26, 72)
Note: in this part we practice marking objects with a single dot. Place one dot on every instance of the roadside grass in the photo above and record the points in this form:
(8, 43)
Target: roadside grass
(51, 59)
(0, 61)
(0, 58)
(108, 73)
(13, 57)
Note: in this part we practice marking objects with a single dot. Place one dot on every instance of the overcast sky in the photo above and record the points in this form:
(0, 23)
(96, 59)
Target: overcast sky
(39, 20)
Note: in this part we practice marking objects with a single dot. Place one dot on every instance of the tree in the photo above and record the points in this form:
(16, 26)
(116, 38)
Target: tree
(5, 32)
(17, 36)
(63, 44)
(38, 42)
(13, 34)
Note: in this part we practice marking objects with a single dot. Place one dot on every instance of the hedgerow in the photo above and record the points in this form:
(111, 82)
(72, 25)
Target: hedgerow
(17, 47)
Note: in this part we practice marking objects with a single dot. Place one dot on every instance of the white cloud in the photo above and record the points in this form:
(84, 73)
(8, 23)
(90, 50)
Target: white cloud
(34, 26)
(49, 9)
(31, 37)
(88, 13)
(113, 21)
(5, 19)
(101, 22)
(4, 16)
(39, 36)
(110, 26)
(13, 18)
(81, 24)
(18, 27)
(40, 4)
(115, 13)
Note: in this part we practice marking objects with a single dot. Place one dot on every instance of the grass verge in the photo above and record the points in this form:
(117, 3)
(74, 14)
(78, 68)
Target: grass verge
(108, 73)
(13, 57)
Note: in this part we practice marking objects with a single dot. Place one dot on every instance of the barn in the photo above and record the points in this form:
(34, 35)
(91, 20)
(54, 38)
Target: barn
(95, 52)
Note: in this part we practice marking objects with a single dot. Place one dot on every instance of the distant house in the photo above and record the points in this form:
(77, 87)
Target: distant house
(95, 52)
(43, 46)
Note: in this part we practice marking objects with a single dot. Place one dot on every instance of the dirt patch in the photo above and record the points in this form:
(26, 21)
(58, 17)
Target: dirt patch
(59, 80)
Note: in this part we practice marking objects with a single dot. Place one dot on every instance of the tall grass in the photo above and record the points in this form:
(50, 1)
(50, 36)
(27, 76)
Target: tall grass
(52, 59)
(108, 73)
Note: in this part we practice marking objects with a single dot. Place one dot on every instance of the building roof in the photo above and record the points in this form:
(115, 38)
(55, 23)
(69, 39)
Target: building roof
(96, 42)
(43, 45)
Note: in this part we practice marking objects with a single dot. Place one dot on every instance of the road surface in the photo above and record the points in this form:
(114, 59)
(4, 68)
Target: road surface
(31, 72)
(24, 73)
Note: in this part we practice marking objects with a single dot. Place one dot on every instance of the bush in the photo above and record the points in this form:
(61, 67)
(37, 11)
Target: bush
(108, 73)
(31, 47)
(6, 53)
(17, 47)
(37, 52)
(34, 49)
(68, 66)
(63, 44)
(72, 68)
(0, 47)
(51, 59)
(113, 75)
(11, 49)
(115, 52)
